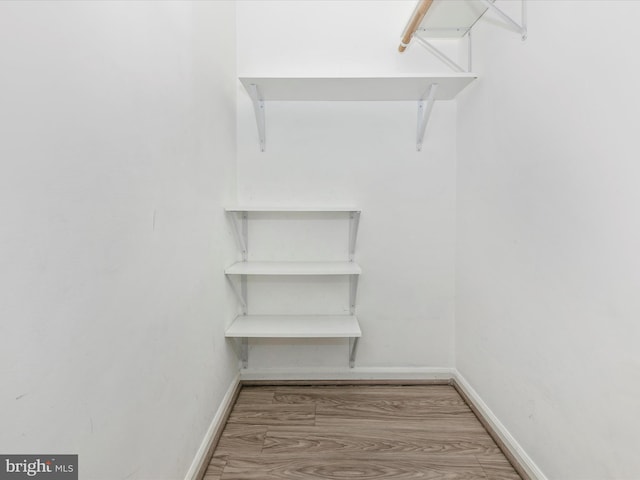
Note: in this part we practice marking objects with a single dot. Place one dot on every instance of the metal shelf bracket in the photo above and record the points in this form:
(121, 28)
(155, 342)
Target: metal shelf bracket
(424, 112)
(423, 42)
(354, 220)
(519, 28)
(353, 345)
(258, 108)
(244, 351)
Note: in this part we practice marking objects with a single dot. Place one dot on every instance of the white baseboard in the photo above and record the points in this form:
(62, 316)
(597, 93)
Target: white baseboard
(500, 430)
(356, 374)
(217, 423)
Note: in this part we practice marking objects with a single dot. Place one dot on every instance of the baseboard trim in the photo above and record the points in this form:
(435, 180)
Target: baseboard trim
(352, 375)
(522, 463)
(211, 438)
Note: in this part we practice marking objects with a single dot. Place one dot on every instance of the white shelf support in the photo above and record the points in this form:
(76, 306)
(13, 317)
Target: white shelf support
(244, 351)
(438, 53)
(239, 293)
(243, 292)
(424, 112)
(353, 346)
(519, 28)
(258, 108)
(353, 292)
(241, 232)
(354, 221)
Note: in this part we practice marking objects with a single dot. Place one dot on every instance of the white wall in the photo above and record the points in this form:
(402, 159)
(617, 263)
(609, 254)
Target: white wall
(351, 153)
(117, 145)
(548, 231)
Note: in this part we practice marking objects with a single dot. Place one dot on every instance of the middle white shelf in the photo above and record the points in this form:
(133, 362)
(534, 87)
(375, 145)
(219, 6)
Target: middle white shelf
(294, 268)
(294, 326)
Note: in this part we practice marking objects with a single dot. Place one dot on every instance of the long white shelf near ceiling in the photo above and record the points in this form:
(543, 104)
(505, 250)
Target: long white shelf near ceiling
(423, 89)
(409, 88)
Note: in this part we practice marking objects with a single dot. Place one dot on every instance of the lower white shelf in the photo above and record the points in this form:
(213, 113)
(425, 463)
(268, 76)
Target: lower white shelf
(294, 326)
(245, 327)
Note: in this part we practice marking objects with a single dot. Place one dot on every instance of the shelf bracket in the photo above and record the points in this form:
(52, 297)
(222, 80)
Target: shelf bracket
(241, 294)
(353, 345)
(438, 53)
(258, 108)
(521, 29)
(353, 291)
(354, 221)
(241, 231)
(424, 112)
(244, 351)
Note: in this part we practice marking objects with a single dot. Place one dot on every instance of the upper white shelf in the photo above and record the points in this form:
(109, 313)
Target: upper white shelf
(410, 88)
(294, 268)
(267, 209)
(451, 18)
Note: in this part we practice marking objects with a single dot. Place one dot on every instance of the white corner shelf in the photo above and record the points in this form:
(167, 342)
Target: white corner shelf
(294, 268)
(247, 326)
(423, 89)
(452, 18)
(455, 19)
(294, 326)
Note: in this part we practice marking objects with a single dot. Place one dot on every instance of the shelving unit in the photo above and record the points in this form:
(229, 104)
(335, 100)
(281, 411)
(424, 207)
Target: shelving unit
(423, 89)
(246, 326)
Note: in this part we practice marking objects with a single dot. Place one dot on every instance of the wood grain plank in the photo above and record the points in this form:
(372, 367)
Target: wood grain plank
(241, 439)
(215, 467)
(273, 414)
(497, 467)
(339, 440)
(255, 395)
(363, 467)
(438, 418)
(411, 396)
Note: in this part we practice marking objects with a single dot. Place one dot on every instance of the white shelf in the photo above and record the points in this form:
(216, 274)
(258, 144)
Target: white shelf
(268, 209)
(410, 88)
(423, 89)
(293, 268)
(451, 18)
(294, 326)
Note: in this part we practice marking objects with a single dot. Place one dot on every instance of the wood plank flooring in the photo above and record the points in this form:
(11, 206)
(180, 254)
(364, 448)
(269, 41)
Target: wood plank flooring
(355, 432)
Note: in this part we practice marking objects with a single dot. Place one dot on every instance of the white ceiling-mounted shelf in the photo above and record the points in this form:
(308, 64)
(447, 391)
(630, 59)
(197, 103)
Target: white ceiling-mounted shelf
(423, 89)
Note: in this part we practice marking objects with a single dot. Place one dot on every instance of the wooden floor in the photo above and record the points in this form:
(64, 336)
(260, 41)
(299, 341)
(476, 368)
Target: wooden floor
(355, 432)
